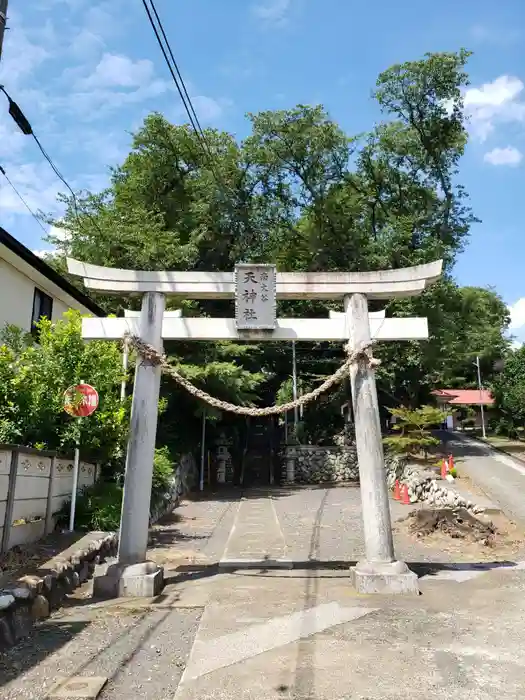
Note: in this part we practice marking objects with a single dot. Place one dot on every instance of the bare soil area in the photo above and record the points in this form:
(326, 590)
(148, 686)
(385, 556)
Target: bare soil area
(457, 531)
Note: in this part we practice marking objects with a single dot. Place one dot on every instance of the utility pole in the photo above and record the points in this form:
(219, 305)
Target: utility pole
(294, 387)
(3, 21)
(480, 387)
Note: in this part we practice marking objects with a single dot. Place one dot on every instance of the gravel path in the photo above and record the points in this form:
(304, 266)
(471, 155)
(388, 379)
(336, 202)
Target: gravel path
(325, 525)
(196, 532)
(142, 653)
(143, 649)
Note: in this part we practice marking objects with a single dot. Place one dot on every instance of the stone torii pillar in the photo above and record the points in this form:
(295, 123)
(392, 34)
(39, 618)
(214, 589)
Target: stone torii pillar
(379, 572)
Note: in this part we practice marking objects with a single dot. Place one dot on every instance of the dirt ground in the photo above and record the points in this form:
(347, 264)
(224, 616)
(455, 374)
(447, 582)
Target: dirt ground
(508, 540)
(20, 561)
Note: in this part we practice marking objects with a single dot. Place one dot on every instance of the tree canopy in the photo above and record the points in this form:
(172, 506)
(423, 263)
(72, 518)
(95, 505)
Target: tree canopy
(300, 192)
(508, 387)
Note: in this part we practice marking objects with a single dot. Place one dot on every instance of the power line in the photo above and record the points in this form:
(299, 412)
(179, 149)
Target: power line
(180, 85)
(177, 70)
(224, 188)
(26, 205)
(25, 127)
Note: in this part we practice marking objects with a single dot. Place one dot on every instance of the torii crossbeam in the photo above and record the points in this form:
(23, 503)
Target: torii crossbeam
(255, 289)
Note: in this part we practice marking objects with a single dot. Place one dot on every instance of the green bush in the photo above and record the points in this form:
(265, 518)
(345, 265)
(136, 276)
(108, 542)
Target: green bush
(98, 507)
(33, 378)
(163, 468)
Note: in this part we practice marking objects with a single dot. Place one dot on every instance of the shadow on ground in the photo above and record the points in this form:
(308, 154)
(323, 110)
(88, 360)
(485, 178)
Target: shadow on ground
(166, 533)
(112, 656)
(46, 638)
(194, 572)
(232, 494)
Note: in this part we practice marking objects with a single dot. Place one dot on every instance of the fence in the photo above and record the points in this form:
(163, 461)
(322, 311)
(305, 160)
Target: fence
(34, 484)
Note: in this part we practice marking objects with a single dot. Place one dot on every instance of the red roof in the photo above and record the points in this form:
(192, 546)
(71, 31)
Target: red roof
(464, 397)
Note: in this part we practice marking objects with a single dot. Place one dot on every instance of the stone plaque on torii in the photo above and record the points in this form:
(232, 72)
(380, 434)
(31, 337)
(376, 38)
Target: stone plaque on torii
(255, 320)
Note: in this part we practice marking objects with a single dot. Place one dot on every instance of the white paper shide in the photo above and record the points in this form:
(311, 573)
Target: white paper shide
(255, 296)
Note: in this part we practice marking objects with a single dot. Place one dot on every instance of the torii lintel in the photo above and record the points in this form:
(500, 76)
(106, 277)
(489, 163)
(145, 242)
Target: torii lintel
(382, 284)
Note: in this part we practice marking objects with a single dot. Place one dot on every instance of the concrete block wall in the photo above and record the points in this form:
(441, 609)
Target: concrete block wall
(34, 485)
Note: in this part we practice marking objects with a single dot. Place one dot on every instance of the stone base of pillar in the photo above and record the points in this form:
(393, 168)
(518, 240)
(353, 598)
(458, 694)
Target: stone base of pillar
(384, 578)
(144, 580)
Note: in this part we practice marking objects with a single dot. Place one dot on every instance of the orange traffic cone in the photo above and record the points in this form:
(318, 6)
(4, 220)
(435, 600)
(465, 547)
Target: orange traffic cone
(404, 493)
(397, 491)
(444, 468)
(450, 462)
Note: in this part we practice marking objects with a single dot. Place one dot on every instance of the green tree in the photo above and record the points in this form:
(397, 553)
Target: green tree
(464, 322)
(34, 377)
(300, 192)
(508, 387)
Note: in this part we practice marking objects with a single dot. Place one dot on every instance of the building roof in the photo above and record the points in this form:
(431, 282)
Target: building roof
(41, 266)
(465, 397)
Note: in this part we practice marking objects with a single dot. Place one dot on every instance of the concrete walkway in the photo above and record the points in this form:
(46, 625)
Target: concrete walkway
(297, 633)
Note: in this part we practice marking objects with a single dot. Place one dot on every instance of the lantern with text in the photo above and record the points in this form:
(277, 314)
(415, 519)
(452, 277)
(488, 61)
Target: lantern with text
(80, 400)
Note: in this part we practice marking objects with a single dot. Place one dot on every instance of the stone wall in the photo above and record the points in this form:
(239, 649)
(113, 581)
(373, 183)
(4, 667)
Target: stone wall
(309, 464)
(423, 487)
(182, 481)
(33, 597)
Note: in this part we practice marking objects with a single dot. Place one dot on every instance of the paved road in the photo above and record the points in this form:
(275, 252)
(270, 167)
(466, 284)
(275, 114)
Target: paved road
(302, 633)
(501, 477)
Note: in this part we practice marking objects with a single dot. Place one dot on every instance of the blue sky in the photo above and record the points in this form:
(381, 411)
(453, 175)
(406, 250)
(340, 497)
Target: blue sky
(86, 72)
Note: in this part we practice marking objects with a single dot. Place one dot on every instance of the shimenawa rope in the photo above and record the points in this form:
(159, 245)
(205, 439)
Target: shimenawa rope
(152, 356)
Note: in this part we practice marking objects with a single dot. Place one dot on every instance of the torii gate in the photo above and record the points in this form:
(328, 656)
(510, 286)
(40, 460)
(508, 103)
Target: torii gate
(255, 289)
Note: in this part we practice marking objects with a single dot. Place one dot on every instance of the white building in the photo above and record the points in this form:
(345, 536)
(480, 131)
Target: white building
(31, 289)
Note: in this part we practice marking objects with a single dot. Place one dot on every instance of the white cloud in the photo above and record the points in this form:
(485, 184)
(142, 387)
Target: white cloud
(107, 18)
(517, 314)
(36, 183)
(114, 71)
(207, 108)
(44, 253)
(12, 140)
(56, 232)
(95, 104)
(60, 233)
(48, 4)
(20, 56)
(86, 43)
(115, 81)
(493, 103)
(503, 156)
(495, 36)
(273, 11)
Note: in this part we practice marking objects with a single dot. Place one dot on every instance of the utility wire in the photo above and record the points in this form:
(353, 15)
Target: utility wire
(173, 68)
(24, 125)
(26, 205)
(167, 52)
(177, 70)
